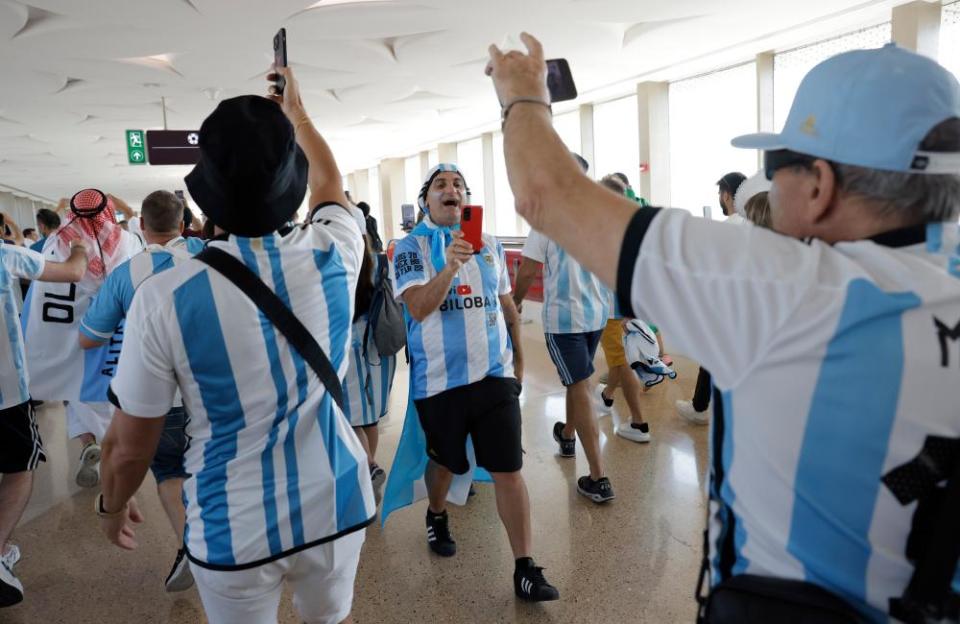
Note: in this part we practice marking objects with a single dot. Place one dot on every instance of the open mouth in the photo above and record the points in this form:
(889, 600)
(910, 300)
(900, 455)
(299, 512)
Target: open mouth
(451, 203)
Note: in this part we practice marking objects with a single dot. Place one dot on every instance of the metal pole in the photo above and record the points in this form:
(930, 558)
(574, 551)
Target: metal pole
(163, 106)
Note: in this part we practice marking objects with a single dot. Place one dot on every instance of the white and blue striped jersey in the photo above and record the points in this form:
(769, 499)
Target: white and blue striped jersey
(836, 416)
(366, 388)
(110, 305)
(274, 465)
(60, 369)
(574, 300)
(466, 338)
(15, 263)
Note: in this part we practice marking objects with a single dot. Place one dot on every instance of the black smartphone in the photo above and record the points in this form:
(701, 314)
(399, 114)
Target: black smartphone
(280, 56)
(560, 81)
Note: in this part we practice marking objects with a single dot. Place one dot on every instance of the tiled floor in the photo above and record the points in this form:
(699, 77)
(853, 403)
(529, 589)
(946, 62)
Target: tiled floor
(633, 560)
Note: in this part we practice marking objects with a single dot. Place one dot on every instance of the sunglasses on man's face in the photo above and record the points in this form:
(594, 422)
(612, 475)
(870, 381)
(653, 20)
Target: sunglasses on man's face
(778, 159)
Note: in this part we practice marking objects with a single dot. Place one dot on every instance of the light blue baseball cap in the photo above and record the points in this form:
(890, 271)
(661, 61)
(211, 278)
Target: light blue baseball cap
(869, 108)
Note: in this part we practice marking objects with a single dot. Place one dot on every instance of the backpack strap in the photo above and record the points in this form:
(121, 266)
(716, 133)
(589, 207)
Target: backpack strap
(279, 314)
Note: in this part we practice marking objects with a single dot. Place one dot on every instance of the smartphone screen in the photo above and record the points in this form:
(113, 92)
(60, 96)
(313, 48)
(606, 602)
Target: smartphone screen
(471, 224)
(560, 81)
(407, 217)
(280, 56)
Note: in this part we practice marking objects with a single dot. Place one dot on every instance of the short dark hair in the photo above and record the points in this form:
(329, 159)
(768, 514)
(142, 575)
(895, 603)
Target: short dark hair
(581, 161)
(162, 212)
(622, 177)
(48, 218)
(731, 182)
(364, 208)
(28, 231)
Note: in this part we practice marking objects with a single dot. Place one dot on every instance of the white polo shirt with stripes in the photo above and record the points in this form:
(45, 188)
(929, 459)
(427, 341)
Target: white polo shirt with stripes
(275, 467)
(837, 369)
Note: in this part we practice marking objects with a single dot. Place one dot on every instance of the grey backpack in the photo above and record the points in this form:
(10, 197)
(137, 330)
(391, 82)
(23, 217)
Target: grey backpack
(385, 322)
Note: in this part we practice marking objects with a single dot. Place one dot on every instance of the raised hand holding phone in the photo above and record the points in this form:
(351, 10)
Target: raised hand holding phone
(458, 251)
(280, 58)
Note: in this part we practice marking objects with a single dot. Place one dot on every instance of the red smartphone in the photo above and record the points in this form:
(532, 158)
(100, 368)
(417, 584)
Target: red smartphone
(471, 224)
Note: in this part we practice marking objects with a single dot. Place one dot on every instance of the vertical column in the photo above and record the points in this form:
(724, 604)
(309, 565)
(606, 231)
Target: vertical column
(350, 184)
(765, 112)
(360, 188)
(424, 164)
(489, 185)
(448, 152)
(586, 137)
(916, 26)
(391, 193)
(653, 109)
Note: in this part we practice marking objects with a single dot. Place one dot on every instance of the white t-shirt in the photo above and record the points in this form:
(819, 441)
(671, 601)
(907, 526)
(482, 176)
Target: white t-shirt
(841, 367)
(574, 300)
(466, 339)
(274, 465)
(15, 263)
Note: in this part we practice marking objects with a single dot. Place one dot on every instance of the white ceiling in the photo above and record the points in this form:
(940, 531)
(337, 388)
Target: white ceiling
(381, 78)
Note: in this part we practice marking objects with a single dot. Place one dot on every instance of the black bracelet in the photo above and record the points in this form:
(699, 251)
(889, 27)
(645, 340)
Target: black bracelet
(523, 100)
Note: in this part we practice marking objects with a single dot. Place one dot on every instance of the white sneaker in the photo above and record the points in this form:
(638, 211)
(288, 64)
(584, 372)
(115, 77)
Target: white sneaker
(604, 405)
(11, 590)
(624, 430)
(88, 470)
(685, 411)
(11, 556)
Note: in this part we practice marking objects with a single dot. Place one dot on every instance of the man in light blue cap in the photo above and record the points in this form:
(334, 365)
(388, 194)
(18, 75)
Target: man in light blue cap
(835, 468)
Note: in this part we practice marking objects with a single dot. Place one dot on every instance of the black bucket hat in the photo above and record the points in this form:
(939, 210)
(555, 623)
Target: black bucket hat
(252, 175)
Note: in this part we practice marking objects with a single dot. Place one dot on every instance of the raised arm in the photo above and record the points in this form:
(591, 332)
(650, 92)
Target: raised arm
(122, 207)
(325, 181)
(71, 270)
(15, 231)
(549, 188)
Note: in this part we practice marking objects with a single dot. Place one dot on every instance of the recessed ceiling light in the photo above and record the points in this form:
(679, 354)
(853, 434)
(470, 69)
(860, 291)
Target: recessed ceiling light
(326, 3)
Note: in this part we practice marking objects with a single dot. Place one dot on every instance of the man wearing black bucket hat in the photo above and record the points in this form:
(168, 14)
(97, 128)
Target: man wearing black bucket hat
(279, 489)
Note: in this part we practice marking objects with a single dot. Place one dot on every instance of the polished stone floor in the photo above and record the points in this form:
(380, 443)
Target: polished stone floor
(632, 560)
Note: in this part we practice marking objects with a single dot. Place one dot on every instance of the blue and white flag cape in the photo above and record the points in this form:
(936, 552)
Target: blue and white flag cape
(406, 484)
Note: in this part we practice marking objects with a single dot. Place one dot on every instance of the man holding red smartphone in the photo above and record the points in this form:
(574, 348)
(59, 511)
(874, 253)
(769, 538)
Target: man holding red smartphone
(465, 367)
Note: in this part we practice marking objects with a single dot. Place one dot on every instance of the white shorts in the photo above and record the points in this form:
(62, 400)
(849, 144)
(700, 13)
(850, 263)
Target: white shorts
(88, 418)
(321, 578)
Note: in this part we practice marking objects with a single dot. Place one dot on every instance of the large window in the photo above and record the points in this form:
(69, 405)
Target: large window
(470, 162)
(705, 113)
(616, 139)
(567, 126)
(504, 206)
(412, 179)
(950, 38)
(790, 67)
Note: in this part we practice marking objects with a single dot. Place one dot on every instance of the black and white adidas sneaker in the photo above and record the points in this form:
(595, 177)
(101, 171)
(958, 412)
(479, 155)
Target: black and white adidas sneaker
(530, 584)
(438, 534)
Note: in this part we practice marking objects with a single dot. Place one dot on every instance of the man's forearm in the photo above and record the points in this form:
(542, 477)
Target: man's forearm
(324, 179)
(512, 319)
(424, 300)
(525, 275)
(557, 199)
(121, 471)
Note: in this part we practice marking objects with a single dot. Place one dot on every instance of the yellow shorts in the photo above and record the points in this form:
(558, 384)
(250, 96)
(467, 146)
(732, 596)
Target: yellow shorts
(612, 342)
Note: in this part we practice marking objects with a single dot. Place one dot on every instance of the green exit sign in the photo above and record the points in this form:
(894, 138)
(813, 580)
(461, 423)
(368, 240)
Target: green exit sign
(136, 147)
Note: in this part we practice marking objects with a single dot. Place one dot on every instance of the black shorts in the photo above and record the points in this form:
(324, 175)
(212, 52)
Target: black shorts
(21, 448)
(488, 411)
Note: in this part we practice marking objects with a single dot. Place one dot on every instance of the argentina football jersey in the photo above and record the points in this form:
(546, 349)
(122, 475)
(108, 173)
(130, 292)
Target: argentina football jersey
(15, 262)
(574, 300)
(821, 462)
(275, 467)
(468, 321)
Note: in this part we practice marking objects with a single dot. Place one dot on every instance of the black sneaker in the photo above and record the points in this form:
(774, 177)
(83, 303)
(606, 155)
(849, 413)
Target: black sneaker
(438, 534)
(180, 578)
(568, 446)
(11, 591)
(529, 584)
(599, 491)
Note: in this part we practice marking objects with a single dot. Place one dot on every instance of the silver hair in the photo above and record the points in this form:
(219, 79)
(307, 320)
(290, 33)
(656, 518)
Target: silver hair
(909, 197)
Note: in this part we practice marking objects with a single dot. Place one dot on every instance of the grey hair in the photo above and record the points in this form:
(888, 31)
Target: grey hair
(909, 197)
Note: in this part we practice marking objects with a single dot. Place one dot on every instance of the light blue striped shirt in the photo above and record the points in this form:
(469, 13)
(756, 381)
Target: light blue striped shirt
(15, 263)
